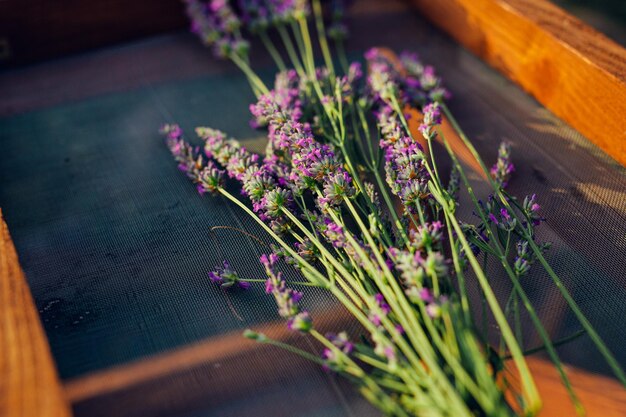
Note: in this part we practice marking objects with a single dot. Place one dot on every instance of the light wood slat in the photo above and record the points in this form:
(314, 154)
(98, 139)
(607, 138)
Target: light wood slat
(576, 72)
(601, 396)
(29, 385)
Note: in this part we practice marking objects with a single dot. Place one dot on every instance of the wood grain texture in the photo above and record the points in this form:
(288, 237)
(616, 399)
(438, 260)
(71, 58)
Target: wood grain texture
(29, 385)
(576, 72)
(601, 396)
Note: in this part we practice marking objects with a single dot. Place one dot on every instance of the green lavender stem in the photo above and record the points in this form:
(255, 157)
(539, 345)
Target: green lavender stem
(595, 337)
(269, 45)
(518, 287)
(321, 32)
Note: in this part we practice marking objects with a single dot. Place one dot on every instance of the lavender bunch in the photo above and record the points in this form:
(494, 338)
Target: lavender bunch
(340, 161)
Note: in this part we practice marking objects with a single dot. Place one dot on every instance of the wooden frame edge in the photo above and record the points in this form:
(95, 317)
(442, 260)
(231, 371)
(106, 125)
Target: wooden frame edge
(600, 395)
(573, 70)
(29, 383)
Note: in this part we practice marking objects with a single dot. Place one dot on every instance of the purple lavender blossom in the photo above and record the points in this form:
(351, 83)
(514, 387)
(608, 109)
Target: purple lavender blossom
(422, 84)
(382, 309)
(432, 118)
(426, 295)
(260, 181)
(507, 222)
(405, 168)
(312, 164)
(409, 265)
(307, 250)
(337, 187)
(287, 299)
(384, 349)
(227, 277)
(523, 259)
(531, 210)
(188, 158)
(333, 357)
(218, 26)
(427, 236)
(382, 79)
(255, 15)
(503, 168)
(333, 232)
(286, 11)
(210, 179)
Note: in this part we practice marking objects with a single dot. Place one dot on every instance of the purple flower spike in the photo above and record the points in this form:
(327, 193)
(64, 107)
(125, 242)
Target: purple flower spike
(531, 209)
(287, 299)
(503, 168)
(426, 295)
(432, 118)
(334, 358)
(227, 277)
(218, 26)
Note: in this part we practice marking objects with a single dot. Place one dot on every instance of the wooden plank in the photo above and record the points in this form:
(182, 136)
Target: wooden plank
(576, 72)
(601, 396)
(29, 385)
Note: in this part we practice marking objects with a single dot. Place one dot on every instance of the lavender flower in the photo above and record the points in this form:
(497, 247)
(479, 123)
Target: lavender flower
(384, 349)
(188, 159)
(275, 201)
(454, 184)
(531, 210)
(286, 11)
(307, 250)
(312, 163)
(411, 271)
(523, 259)
(255, 15)
(226, 277)
(405, 168)
(218, 26)
(260, 181)
(422, 84)
(334, 359)
(434, 309)
(337, 187)
(503, 168)
(227, 152)
(432, 118)
(382, 79)
(427, 236)
(435, 265)
(333, 232)
(210, 179)
(381, 310)
(287, 299)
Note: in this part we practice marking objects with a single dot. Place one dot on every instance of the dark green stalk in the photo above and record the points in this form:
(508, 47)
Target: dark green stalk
(269, 45)
(595, 337)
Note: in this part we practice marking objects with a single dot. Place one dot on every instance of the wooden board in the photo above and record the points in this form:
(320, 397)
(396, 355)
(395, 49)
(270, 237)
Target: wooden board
(601, 396)
(29, 385)
(576, 72)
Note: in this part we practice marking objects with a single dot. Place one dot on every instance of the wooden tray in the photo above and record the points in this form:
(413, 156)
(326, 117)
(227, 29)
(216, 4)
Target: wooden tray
(571, 69)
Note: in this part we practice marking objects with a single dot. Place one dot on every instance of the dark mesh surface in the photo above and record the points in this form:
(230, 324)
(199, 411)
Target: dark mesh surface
(116, 243)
